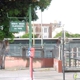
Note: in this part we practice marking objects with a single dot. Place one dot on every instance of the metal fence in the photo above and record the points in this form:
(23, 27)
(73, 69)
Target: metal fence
(17, 50)
(57, 52)
(70, 57)
(50, 49)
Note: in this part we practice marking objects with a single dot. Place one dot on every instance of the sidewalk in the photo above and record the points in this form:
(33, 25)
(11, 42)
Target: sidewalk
(39, 74)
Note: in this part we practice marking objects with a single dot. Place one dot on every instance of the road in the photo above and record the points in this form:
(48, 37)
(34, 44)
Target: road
(38, 75)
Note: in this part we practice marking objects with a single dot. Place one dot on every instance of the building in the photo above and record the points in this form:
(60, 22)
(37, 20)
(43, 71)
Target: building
(44, 30)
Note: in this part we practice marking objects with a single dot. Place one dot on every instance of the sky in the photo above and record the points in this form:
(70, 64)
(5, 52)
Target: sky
(66, 11)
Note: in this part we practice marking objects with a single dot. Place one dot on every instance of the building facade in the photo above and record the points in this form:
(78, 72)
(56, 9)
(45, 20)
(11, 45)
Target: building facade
(43, 30)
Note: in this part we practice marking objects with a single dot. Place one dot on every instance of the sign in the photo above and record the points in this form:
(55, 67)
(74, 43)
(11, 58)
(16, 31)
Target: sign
(17, 26)
(29, 52)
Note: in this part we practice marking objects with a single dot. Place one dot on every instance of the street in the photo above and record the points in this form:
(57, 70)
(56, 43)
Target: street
(39, 74)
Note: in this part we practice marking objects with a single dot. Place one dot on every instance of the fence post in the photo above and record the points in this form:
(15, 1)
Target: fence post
(59, 52)
(77, 56)
(72, 61)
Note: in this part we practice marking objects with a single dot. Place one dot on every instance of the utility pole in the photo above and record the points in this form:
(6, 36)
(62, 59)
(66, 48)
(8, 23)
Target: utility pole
(63, 60)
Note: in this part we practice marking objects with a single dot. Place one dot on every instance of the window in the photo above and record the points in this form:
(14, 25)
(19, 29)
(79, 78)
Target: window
(45, 32)
(45, 29)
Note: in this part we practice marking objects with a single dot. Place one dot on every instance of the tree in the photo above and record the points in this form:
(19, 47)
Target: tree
(17, 8)
(27, 36)
(68, 35)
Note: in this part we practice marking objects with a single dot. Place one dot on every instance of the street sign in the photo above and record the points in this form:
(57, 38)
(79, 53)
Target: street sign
(17, 26)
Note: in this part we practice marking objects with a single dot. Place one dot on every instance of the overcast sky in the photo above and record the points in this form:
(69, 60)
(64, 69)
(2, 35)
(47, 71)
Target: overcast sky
(66, 11)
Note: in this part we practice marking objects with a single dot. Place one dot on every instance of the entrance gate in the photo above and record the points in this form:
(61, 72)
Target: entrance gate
(71, 55)
(72, 58)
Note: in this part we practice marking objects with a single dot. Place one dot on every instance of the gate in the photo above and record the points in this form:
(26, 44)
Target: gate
(72, 57)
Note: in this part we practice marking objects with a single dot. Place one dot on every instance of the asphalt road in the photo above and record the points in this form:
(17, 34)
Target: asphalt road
(38, 75)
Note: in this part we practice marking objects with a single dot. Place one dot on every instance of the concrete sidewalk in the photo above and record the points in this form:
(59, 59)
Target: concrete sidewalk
(39, 74)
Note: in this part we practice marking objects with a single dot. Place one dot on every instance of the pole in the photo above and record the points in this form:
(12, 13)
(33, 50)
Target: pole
(30, 28)
(69, 56)
(33, 34)
(41, 31)
(63, 60)
(31, 68)
(30, 43)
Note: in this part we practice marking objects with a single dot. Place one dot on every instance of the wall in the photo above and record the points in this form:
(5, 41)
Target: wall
(0, 60)
(11, 62)
(58, 65)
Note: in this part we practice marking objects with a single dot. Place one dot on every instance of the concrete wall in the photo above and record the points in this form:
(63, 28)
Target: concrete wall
(11, 62)
(19, 62)
(0, 60)
(58, 65)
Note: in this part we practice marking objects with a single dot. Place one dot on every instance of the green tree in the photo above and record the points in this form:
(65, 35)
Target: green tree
(68, 35)
(16, 8)
(58, 35)
(27, 36)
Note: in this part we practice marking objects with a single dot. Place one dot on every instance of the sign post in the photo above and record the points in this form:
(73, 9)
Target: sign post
(31, 52)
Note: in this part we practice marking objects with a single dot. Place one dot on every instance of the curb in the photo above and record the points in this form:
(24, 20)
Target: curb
(44, 69)
(35, 69)
(15, 69)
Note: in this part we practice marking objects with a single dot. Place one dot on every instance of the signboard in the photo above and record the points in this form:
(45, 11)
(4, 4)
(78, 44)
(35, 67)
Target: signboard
(17, 26)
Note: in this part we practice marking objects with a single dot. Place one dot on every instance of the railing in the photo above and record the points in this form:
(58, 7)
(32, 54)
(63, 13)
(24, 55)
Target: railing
(45, 52)
(70, 57)
(57, 52)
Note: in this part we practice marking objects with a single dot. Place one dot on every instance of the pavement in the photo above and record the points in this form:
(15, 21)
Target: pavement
(39, 74)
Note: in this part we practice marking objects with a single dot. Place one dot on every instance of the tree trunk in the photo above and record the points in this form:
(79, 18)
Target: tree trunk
(3, 46)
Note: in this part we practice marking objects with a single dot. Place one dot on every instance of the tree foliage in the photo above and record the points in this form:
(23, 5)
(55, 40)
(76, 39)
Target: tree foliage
(68, 35)
(27, 36)
(18, 8)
